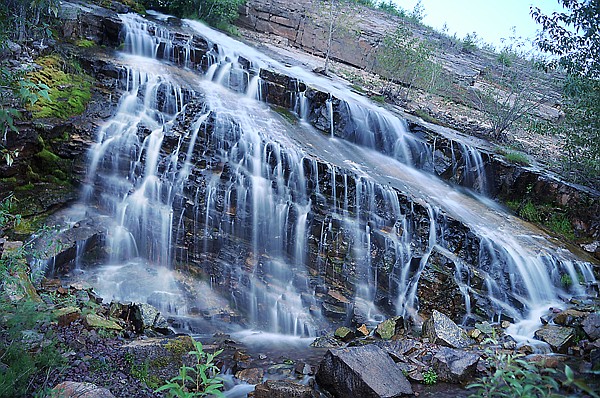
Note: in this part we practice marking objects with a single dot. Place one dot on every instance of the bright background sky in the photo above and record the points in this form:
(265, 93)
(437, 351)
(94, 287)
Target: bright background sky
(491, 19)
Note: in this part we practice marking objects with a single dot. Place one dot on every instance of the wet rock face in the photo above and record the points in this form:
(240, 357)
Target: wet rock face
(366, 372)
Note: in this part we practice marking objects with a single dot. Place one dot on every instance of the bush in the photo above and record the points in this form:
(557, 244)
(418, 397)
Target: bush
(199, 381)
(512, 376)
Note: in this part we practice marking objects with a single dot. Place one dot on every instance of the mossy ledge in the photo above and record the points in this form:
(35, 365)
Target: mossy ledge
(69, 89)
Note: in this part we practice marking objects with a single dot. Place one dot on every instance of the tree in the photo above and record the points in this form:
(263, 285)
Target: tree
(510, 88)
(339, 19)
(574, 37)
(217, 13)
(406, 60)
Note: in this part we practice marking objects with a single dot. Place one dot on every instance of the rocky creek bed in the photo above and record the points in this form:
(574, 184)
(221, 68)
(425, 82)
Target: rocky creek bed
(130, 349)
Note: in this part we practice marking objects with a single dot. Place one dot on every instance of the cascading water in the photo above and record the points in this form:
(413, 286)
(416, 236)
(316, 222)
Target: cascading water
(195, 171)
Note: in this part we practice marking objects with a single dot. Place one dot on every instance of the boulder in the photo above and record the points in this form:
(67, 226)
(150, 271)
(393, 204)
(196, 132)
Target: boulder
(66, 315)
(559, 338)
(71, 389)
(440, 329)
(389, 328)
(362, 372)
(283, 389)
(94, 321)
(345, 334)
(454, 366)
(591, 326)
(250, 376)
(147, 317)
(570, 317)
(326, 342)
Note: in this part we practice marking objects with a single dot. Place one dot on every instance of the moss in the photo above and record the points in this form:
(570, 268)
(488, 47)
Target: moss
(378, 98)
(180, 346)
(69, 92)
(26, 187)
(287, 115)
(517, 158)
(85, 43)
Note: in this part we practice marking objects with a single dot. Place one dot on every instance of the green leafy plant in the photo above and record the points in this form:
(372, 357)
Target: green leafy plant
(430, 377)
(512, 376)
(566, 280)
(201, 380)
(580, 384)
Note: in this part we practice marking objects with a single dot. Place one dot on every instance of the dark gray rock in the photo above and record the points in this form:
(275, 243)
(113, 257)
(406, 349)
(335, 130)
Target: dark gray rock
(591, 326)
(362, 372)
(559, 338)
(326, 342)
(283, 389)
(454, 366)
(440, 329)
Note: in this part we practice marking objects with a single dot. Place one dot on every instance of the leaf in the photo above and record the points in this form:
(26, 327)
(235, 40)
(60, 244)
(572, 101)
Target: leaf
(569, 373)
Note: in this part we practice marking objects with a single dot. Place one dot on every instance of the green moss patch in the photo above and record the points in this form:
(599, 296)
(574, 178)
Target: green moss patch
(69, 92)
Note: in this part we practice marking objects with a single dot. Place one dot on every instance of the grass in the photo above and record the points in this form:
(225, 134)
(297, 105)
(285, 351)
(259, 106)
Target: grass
(517, 158)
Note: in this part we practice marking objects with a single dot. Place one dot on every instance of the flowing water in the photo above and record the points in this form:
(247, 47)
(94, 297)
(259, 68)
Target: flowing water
(245, 192)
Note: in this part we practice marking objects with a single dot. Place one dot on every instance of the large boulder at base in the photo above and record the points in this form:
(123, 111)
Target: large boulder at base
(71, 389)
(94, 321)
(440, 329)
(570, 317)
(283, 389)
(559, 338)
(591, 326)
(148, 317)
(454, 366)
(362, 372)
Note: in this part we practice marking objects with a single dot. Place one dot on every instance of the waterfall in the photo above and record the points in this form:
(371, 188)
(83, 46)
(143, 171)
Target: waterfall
(195, 171)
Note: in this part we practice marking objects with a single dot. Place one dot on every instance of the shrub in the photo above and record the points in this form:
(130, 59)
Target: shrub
(199, 381)
(512, 376)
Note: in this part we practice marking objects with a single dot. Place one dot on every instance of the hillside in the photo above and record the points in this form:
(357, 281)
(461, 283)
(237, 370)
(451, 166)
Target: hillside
(298, 31)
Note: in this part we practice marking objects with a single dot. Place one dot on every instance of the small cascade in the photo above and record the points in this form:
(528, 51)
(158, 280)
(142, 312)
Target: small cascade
(293, 228)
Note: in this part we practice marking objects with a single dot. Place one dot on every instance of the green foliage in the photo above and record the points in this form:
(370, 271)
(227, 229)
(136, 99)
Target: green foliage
(393, 9)
(517, 158)
(7, 217)
(560, 224)
(407, 60)
(529, 212)
(27, 19)
(25, 357)
(566, 280)
(430, 377)
(15, 92)
(217, 13)
(574, 36)
(141, 371)
(199, 381)
(512, 376)
(469, 43)
(85, 43)
(579, 384)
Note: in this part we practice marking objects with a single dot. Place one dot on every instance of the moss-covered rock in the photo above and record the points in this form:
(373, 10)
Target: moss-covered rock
(69, 91)
(97, 322)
